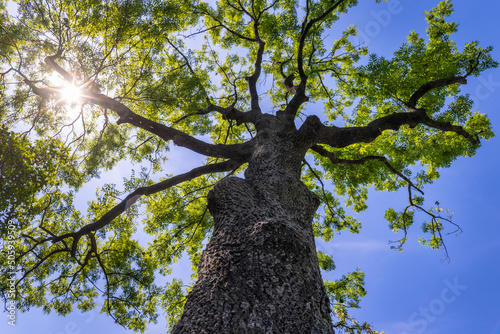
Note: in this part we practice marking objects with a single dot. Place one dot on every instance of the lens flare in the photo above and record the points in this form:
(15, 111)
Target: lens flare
(71, 93)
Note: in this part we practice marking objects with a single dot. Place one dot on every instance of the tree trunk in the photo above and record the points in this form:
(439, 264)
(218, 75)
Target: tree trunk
(259, 273)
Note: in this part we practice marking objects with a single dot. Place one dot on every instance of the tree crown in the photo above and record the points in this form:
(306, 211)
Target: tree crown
(210, 77)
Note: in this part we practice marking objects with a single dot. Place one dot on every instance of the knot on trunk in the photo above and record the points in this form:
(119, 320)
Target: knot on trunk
(229, 193)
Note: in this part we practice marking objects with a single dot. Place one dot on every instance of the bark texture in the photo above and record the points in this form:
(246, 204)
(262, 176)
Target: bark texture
(259, 273)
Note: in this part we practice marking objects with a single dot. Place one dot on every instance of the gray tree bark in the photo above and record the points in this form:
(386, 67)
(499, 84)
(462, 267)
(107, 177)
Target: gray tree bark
(259, 273)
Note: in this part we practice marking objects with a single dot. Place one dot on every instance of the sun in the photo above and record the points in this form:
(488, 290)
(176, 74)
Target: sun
(71, 93)
(68, 92)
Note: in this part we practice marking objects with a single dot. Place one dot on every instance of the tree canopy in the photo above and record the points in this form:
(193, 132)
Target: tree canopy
(208, 77)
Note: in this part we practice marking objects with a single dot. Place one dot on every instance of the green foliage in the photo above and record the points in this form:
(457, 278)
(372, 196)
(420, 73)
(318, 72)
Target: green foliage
(380, 88)
(326, 261)
(30, 171)
(172, 301)
(346, 293)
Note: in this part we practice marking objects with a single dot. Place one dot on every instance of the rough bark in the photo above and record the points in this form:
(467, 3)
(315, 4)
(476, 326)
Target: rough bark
(259, 273)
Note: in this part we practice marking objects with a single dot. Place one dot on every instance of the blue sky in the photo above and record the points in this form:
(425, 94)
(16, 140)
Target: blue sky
(413, 291)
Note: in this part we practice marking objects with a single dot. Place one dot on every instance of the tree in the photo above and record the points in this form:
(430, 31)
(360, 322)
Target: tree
(236, 82)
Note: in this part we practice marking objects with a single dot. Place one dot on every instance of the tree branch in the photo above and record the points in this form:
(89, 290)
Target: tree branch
(322, 184)
(39, 263)
(230, 113)
(252, 80)
(50, 60)
(222, 25)
(186, 59)
(342, 137)
(306, 26)
(300, 96)
(327, 154)
(118, 209)
(425, 88)
(179, 138)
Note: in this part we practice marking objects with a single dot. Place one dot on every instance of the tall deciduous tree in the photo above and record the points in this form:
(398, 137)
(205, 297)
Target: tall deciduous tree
(271, 93)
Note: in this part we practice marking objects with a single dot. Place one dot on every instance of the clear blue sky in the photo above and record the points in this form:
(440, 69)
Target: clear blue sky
(413, 291)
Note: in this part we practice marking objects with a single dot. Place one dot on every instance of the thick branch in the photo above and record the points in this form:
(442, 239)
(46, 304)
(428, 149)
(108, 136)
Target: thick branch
(145, 191)
(252, 80)
(446, 126)
(232, 113)
(342, 137)
(236, 151)
(50, 60)
(425, 88)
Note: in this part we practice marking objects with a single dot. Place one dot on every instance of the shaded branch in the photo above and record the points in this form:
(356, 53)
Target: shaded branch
(252, 80)
(39, 263)
(434, 225)
(186, 59)
(232, 113)
(446, 126)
